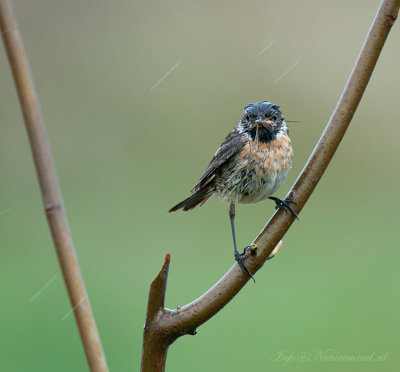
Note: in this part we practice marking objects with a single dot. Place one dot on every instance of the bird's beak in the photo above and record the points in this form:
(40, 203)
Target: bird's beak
(264, 122)
(260, 121)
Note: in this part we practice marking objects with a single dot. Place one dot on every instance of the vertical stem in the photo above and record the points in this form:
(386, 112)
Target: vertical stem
(51, 193)
(155, 345)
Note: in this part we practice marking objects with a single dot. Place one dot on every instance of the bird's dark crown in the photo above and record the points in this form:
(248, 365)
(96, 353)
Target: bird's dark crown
(263, 120)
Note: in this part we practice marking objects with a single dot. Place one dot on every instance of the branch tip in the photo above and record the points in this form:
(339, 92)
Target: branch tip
(167, 259)
(157, 291)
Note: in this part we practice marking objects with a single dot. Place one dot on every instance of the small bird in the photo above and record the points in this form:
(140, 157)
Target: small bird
(250, 165)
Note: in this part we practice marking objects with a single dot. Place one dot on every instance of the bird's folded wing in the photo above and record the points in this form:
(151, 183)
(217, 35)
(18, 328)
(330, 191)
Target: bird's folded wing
(231, 145)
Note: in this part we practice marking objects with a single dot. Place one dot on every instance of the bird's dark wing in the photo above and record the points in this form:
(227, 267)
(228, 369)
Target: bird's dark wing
(231, 145)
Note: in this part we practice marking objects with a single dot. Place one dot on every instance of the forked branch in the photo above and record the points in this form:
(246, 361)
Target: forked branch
(164, 326)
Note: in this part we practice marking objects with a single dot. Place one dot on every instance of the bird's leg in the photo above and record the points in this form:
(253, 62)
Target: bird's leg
(238, 256)
(285, 204)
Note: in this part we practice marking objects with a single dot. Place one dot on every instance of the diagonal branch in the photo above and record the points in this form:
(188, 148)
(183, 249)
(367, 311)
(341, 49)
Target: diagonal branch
(51, 193)
(168, 325)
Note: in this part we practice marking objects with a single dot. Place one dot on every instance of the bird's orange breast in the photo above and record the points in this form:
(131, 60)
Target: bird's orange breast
(255, 172)
(274, 156)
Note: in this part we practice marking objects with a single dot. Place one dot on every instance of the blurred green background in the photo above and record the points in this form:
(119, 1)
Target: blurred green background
(125, 153)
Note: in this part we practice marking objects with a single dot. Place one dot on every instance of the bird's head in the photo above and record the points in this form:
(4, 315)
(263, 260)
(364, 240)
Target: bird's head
(263, 120)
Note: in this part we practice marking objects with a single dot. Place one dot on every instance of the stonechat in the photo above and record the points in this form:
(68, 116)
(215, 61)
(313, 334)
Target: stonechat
(250, 165)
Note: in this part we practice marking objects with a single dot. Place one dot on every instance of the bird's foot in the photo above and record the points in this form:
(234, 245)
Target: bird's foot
(284, 204)
(242, 265)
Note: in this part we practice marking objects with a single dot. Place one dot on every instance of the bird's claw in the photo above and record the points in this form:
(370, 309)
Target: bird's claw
(242, 265)
(285, 205)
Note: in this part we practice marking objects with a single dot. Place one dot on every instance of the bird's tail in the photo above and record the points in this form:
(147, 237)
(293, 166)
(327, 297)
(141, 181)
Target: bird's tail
(198, 198)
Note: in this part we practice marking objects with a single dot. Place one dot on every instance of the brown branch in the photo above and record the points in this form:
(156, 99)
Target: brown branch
(155, 343)
(166, 325)
(51, 193)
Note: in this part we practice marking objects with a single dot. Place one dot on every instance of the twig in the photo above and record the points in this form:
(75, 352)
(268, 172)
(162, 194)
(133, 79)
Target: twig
(166, 325)
(51, 193)
(155, 343)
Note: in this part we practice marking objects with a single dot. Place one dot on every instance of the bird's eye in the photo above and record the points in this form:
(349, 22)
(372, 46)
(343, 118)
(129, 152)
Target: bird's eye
(247, 117)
